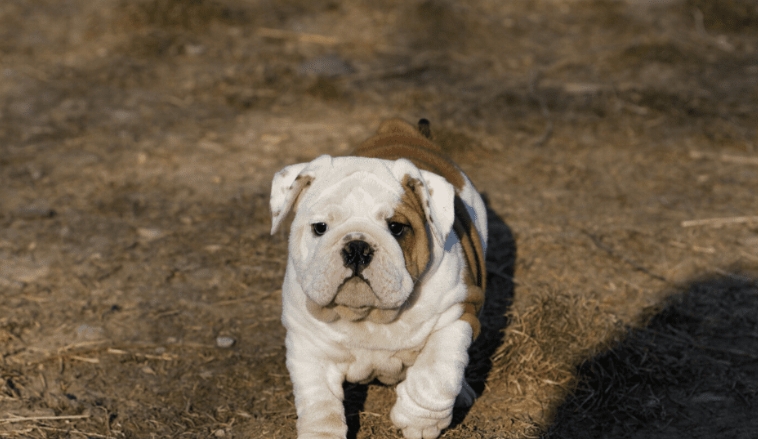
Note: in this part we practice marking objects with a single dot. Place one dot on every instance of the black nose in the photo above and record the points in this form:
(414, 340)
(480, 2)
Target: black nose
(357, 255)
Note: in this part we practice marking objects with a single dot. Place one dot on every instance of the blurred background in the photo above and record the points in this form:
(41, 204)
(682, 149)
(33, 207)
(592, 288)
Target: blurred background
(615, 141)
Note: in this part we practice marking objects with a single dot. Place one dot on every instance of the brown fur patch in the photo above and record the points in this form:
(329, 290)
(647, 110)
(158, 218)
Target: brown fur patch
(473, 249)
(397, 125)
(398, 139)
(415, 241)
(475, 275)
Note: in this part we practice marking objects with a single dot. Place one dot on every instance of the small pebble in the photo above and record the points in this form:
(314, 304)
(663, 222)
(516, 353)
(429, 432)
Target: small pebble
(87, 332)
(149, 234)
(220, 433)
(225, 342)
(194, 49)
(213, 248)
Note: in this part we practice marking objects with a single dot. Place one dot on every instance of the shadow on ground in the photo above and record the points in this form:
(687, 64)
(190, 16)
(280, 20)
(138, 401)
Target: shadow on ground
(501, 257)
(694, 368)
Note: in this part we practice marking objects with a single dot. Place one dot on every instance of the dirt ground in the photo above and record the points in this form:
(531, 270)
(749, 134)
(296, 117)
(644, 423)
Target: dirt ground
(138, 140)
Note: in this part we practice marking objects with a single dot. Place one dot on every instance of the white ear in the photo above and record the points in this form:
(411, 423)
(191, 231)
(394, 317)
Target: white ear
(436, 194)
(288, 184)
(442, 205)
(284, 191)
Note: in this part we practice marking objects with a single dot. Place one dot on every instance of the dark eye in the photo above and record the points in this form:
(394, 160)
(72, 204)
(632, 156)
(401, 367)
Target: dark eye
(319, 228)
(397, 229)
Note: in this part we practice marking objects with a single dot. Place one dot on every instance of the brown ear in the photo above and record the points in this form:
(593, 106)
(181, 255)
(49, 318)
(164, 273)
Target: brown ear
(437, 197)
(414, 242)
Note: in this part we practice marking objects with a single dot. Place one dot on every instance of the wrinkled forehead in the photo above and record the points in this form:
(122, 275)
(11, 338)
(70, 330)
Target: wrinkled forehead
(354, 181)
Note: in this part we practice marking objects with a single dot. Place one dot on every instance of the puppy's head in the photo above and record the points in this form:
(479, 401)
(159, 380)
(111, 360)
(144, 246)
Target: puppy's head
(363, 233)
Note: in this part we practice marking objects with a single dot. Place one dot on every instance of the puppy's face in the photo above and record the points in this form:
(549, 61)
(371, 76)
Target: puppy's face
(363, 234)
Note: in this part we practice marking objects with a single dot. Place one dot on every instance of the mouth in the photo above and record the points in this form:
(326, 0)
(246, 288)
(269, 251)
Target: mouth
(356, 292)
(355, 301)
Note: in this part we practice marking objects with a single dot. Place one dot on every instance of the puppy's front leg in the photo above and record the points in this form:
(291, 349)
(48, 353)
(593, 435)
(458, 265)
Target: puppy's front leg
(317, 385)
(425, 399)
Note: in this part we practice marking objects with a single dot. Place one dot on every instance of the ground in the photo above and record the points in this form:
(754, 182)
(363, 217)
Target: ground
(138, 140)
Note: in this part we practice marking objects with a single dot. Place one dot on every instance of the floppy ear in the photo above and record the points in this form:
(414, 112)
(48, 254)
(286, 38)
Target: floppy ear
(286, 187)
(442, 205)
(437, 197)
(288, 184)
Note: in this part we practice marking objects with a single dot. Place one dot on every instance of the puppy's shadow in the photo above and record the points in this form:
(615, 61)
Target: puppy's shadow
(355, 398)
(501, 257)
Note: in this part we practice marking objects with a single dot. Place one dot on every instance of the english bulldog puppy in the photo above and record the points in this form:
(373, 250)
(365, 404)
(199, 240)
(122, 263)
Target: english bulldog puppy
(385, 279)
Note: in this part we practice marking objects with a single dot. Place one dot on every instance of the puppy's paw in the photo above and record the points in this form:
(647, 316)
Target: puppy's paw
(331, 426)
(418, 422)
(319, 436)
(467, 396)
(414, 432)
(415, 427)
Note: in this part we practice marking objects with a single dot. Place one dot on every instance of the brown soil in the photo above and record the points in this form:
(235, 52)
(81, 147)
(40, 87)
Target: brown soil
(137, 144)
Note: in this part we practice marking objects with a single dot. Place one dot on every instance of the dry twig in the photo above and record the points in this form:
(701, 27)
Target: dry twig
(718, 222)
(729, 158)
(533, 84)
(86, 434)
(599, 244)
(15, 419)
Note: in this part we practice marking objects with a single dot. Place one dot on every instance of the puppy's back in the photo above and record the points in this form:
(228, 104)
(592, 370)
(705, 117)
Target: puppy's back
(397, 139)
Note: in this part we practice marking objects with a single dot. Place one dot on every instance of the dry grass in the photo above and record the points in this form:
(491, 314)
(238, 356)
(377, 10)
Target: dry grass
(615, 141)
(695, 360)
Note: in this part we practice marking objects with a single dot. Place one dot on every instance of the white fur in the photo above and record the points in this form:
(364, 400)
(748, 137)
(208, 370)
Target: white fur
(425, 348)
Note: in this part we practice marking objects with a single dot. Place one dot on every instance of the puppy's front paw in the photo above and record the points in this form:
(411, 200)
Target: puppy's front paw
(420, 427)
(330, 426)
(418, 422)
(319, 436)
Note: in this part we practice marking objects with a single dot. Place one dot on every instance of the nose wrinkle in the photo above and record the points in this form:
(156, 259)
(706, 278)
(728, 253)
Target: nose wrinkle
(357, 236)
